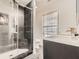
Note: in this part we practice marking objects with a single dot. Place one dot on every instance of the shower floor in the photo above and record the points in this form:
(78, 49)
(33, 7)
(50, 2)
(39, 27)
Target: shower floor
(13, 53)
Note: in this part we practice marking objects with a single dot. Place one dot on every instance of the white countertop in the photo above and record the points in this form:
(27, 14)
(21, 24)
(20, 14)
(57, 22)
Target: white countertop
(69, 40)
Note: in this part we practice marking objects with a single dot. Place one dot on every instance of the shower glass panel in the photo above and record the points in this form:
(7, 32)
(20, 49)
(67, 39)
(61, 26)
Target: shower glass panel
(28, 26)
(23, 25)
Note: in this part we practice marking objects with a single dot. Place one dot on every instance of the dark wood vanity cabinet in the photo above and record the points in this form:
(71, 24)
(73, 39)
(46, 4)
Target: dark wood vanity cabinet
(54, 50)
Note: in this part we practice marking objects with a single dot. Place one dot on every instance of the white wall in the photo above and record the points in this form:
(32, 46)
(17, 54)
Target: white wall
(66, 9)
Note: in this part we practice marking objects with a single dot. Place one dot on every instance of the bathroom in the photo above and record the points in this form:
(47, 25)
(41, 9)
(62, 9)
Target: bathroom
(39, 29)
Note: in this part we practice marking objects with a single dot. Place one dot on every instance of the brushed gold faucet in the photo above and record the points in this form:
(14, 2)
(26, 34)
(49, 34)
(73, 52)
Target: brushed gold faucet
(73, 31)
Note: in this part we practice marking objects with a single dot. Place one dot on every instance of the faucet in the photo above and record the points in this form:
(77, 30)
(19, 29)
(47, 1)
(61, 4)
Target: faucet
(73, 31)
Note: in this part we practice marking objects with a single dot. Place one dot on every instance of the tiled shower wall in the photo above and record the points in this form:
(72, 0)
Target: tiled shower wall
(5, 42)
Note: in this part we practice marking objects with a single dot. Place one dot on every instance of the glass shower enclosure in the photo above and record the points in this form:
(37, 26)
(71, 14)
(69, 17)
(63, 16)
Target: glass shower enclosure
(16, 30)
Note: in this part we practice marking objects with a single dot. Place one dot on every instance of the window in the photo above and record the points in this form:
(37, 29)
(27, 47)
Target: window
(50, 24)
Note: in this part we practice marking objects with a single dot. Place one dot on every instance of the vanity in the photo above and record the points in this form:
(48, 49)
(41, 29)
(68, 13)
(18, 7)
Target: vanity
(61, 47)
